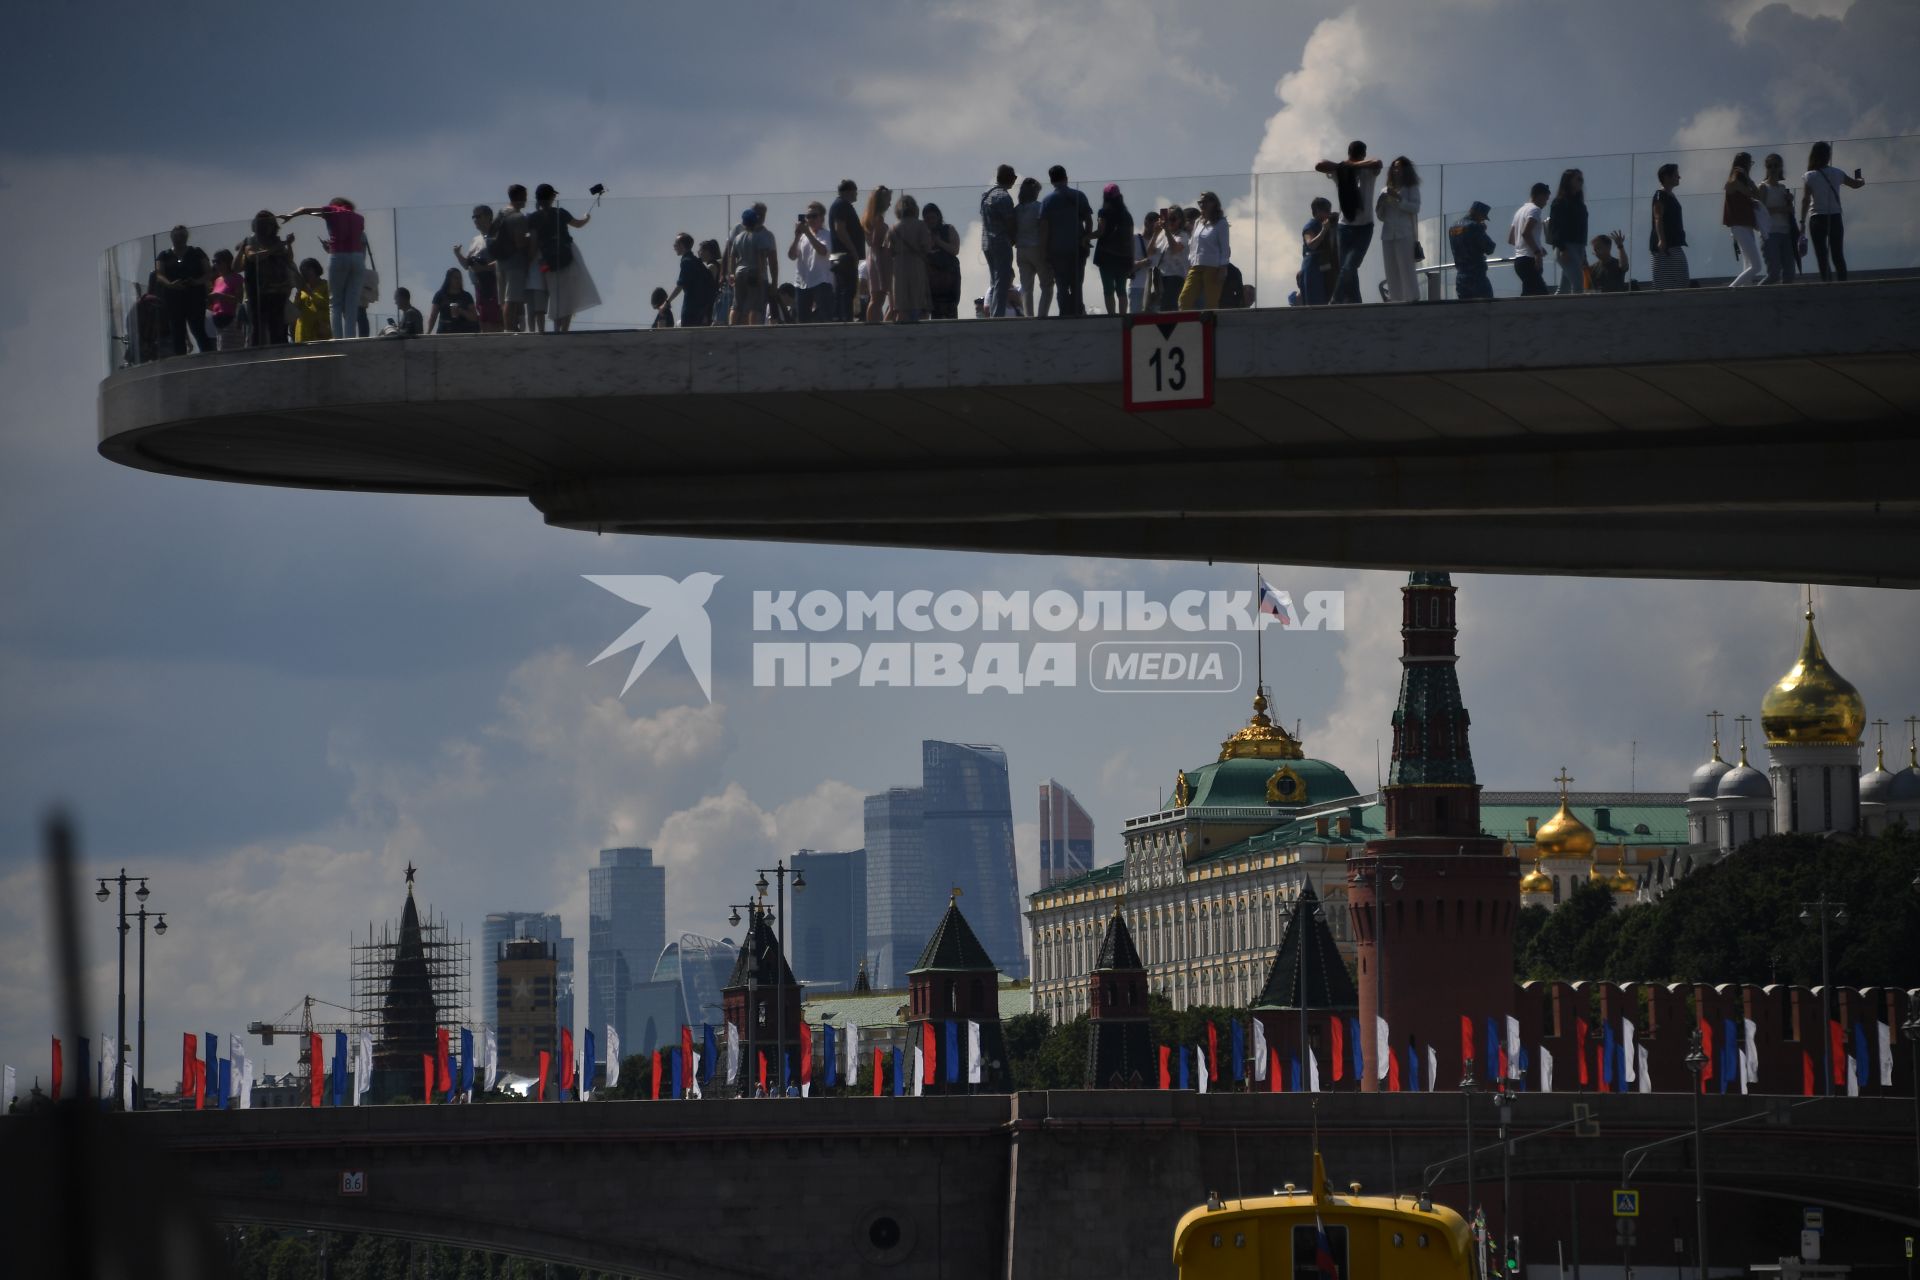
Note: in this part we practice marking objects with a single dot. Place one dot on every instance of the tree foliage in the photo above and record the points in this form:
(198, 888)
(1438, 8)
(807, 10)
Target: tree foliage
(1740, 920)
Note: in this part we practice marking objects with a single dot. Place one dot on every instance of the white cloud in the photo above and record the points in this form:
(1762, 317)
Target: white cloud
(1716, 126)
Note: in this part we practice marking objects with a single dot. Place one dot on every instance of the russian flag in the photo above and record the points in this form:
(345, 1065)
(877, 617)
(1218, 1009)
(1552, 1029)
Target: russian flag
(1323, 1262)
(1275, 604)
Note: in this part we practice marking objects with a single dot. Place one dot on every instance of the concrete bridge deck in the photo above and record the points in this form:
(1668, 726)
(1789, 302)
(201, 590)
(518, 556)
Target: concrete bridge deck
(1038, 1184)
(1760, 433)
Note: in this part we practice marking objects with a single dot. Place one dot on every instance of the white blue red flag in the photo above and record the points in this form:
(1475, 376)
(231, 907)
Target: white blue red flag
(1275, 604)
(1323, 1262)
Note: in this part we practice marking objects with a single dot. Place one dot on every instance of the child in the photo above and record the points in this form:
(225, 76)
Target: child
(1608, 274)
(662, 314)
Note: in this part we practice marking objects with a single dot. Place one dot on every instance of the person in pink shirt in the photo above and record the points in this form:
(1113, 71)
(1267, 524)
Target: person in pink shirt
(223, 302)
(346, 246)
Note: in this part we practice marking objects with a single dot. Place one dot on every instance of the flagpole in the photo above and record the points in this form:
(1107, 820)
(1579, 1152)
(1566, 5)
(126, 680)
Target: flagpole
(1259, 640)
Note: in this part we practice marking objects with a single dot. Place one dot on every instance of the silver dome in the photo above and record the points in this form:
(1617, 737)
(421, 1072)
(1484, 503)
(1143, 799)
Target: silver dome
(1904, 788)
(1706, 779)
(1875, 785)
(1744, 782)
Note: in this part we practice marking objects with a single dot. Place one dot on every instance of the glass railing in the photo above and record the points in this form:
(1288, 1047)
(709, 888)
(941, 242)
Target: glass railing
(627, 246)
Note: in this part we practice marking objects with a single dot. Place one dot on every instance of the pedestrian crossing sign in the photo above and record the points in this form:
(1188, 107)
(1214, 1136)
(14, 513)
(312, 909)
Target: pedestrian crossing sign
(1626, 1204)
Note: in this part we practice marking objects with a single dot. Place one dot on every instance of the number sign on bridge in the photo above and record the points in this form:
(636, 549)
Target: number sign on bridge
(1166, 360)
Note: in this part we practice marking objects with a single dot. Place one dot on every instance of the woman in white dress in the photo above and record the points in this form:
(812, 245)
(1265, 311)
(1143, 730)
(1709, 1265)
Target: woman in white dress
(1398, 212)
(570, 289)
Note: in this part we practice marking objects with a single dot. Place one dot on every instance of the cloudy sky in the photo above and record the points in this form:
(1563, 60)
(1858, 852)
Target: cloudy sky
(269, 701)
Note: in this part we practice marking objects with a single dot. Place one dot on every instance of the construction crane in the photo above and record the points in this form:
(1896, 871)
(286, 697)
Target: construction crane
(298, 1021)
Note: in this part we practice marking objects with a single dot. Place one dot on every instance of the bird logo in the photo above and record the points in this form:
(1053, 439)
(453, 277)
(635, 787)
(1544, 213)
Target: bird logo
(674, 611)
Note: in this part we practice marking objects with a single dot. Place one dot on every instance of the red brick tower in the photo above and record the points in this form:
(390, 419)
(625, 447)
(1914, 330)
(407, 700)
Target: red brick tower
(1119, 1038)
(1444, 947)
(956, 983)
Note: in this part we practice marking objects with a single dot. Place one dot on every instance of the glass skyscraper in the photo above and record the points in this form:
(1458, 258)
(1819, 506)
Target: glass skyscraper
(627, 906)
(954, 831)
(502, 927)
(1066, 835)
(827, 921)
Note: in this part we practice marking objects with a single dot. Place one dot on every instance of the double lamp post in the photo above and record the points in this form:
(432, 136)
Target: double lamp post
(120, 1030)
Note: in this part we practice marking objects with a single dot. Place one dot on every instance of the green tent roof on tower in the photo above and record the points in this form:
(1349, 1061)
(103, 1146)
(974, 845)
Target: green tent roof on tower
(953, 948)
(1116, 948)
(1327, 984)
(759, 958)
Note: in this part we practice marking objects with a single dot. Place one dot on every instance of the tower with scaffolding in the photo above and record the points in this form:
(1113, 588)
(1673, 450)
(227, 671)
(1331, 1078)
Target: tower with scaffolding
(409, 980)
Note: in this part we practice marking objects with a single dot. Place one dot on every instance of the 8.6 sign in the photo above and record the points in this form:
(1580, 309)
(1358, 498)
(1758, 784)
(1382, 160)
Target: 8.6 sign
(1166, 360)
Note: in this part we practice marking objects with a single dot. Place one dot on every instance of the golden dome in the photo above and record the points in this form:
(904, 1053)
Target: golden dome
(1564, 836)
(1261, 739)
(1813, 702)
(1615, 881)
(1536, 881)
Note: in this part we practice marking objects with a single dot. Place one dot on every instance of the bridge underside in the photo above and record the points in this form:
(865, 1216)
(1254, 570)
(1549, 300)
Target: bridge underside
(1703, 433)
(1034, 1185)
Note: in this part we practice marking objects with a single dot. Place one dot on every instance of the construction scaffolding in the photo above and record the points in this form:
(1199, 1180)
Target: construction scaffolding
(409, 979)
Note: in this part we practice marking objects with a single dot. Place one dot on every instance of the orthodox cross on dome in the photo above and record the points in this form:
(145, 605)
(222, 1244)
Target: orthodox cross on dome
(1563, 778)
(1880, 744)
(1743, 722)
(1715, 717)
(1913, 734)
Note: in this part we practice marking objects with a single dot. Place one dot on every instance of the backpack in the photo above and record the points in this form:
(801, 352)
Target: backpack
(502, 245)
(1005, 223)
(556, 242)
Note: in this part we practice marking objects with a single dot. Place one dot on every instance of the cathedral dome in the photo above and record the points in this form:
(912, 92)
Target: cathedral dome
(1812, 703)
(1875, 785)
(1615, 881)
(1744, 782)
(1564, 836)
(1536, 881)
(1706, 779)
(1904, 787)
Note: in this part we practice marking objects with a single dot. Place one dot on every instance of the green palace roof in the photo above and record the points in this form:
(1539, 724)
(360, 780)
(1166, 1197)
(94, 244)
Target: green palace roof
(1241, 783)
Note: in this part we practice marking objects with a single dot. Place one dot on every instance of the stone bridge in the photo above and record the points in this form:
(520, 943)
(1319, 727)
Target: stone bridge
(1757, 433)
(1034, 1185)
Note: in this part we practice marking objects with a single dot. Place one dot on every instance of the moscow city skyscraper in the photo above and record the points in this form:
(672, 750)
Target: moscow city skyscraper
(502, 927)
(953, 831)
(627, 906)
(829, 921)
(1066, 835)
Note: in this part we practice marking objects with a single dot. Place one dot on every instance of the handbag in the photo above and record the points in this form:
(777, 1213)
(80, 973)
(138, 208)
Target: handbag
(370, 282)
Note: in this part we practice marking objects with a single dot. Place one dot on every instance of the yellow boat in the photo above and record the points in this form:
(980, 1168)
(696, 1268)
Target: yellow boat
(1279, 1236)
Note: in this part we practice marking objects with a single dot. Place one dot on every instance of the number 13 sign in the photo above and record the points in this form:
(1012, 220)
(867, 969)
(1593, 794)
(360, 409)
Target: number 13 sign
(1166, 361)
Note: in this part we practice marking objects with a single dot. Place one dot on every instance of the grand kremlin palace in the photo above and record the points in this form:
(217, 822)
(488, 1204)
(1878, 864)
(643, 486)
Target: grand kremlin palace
(1207, 884)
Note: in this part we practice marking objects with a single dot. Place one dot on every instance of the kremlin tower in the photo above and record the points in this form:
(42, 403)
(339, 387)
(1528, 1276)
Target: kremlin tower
(1444, 947)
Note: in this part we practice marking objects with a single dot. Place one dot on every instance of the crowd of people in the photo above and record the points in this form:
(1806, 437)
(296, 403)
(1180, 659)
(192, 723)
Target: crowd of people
(891, 259)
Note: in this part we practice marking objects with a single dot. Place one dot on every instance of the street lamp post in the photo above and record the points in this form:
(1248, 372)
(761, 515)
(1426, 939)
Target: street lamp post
(120, 1032)
(1503, 1107)
(1305, 912)
(753, 910)
(1398, 881)
(1697, 1063)
(159, 919)
(1911, 1029)
(1824, 910)
(1466, 1092)
(780, 871)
